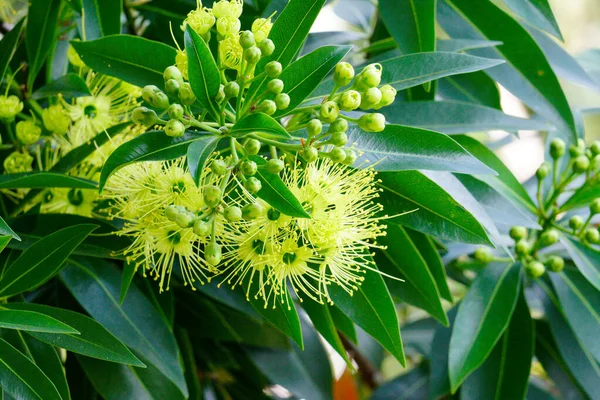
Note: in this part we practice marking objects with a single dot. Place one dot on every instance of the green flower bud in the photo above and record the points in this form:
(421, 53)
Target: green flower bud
(337, 155)
(248, 168)
(18, 162)
(576, 222)
(343, 74)
(350, 157)
(592, 235)
(10, 106)
(372, 122)
(56, 119)
(172, 87)
(595, 163)
(185, 220)
(282, 101)
(535, 269)
(212, 254)
(350, 100)
(144, 116)
(543, 171)
(231, 90)
(172, 72)
(555, 264)
(268, 107)
(370, 98)
(212, 195)
(369, 77)
(233, 213)
(186, 94)
(557, 148)
(149, 93)
(252, 55)
(581, 164)
(388, 96)
(339, 125)
(218, 167)
(267, 47)
(595, 206)
(28, 132)
(228, 25)
(310, 154)
(518, 233)
(522, 248)
(595, 148)
(161, 100)
(252, 146)
(483, 255)
(338, 138)
(175, 111)
(273, 69)
(549, 237)
(576, 150)
(220, 94)
(275, 165)
(314, 127)
(252, 211)
(201, 228)
(171, 212)
(329, 111)
(253, 185)
(275, 86)
(174, 128)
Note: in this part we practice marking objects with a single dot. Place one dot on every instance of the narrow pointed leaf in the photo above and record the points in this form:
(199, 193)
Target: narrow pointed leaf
(585, 258)
(8, 45)
(129, 270)
(101, 18)
(42, 21)
(40, 180)
(70, 85)
(6, 230)
(411, 24)
(537, 13)
(260, 123)
(32, 321)
(198, 153)
(583, 196)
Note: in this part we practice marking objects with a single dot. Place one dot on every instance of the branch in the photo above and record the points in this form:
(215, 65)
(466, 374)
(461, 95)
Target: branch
(367, 371)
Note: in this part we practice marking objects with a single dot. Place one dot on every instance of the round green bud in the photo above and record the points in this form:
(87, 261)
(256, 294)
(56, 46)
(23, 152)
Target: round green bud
(144, 116)
(592, 235)
(549, 237)
(275, 165)
(252, 147)
(282, 101)
(174, 128)
(581, 164)
(247, 39)
(339, 125)
(10, 106)
(329, 111)
(350, 100)
(388, 96)
(576, 222)
(350, 157)
(543, 171)
(185, 219)
(161, 100)
(252, 55)
(212, 195)
(218, 167)
(595, 148)
(483, 255)
(369, 77)
(576, 150)
(268, 107)
(172, 87)
(171, 212)
(273, 69)
(212, 254)
(522, 248)
(28, 132)
(557, 148)
(314, 127)
(535, 269)
(175, 111)
(186, 94)
(201, 228)
(248, 168)
(228, 25)
(233, 213)
(231, 90)
(253, 185)
(275, 86)
(343, 74)
(337, 155)
(518, 233)
(370, 98)
(374, 122)
(310, 154)
(595, 163)
(172, 72)
(18, 161)
(252, 211)
(338, 138)
(149, 92)
(555, 264)
(595, 206)
(267, 47)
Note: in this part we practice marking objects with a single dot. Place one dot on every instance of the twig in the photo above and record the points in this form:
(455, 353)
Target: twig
(367, 371)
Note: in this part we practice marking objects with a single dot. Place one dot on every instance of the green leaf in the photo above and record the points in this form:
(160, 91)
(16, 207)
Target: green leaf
(133, 59)
(409, 386)
(202, 70)
(452, 117)
(580, 302)
(21, 378)
(40, 34)
(6, 230)
(93, 339)
(197, 154)
(476, 87)
(303, 76)
(536, 13)
(260, 123)
(275, 192)
(8, 46)
(70, 85)
(483, 315)
(439, 381)
(585, 258)
(582, 196)
(100, 18)
(403, 259)
(129, 270)
(371, 307)
(32, 321)
(404, 148)
(343, 323)
(96, 286)
(42, 260)
(430, 208)
(521, 52)
(411, 24)
(4, 240)
(40, 180)
(456, 45)
(505, 373)
(149, 146)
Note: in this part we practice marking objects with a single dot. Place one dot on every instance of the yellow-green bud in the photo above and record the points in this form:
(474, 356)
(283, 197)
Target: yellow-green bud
(592, 235)
(518, 233)
(218, 167)
(10, 106)
(595, 148)
(535, 269)
(252, 211)
(231, 90)
(310, 154)
(233, 213)
(329, 111)
(338, 138)
(337, 155)
(576, 222)
(275, 165)
(314, 127)
(282, 101)
(267, 47)
(543, 171)
(248, 168)
(369, 77)
(228, 8)
(557, 148)
(595, 206)
(350, 100)
(171, 212)
(273, 69)
(483, 255)
(268, 107)
(185, 220)
(339, 125)
(212, 254)
(252, 55)
(374, 122)
(172, 87)
(555, 264)
(174, 128)
(186, 94)
(201, 228)
(549, 237)
(56, 119)
(261, 27)
(155, 97)
(212, 195)
(252, 147)
(595, 163)
(144, 116)
(28, 132)
(581, 164)
(247, 39)
(388, 95)
(17, 162)
(275, 86)
(350, 157)
(253, 185)
(172, 72)
(228, 26)
(370, 98)
(522, 248)
(578, 149)
(175, 111)
(343, 74)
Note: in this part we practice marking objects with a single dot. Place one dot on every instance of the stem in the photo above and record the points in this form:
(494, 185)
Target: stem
(366, 370)
(539, 197)
(277, 144)
(197, 124)
(273, 150)
(232, 145)
(11, 132)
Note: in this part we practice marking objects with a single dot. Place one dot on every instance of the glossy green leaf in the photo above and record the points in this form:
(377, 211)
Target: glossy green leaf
(198, 153)
(431, 255)
(275, 192)
(96, 286)
(430, 209)
(42, 260)
(40, 180)
(6, 230)
(149, 146)
(4, 240)
(322, 320)
(100, 18)
(189, 363)
(33, 322)
(202, 70)
(129, 270)
(93, 339)
(464, 44)
(343, 323)
(537, 13)
(21, 378)
(404, 148)
(303, 76)
(8, 46)
(439, 385)
(260, 123)
(371, 308)
(505, 373)
(585, 258)
(582, 196)
(409, 386)
(70, 85)
(476, 87)
(452, 117)
(40, 34)
(483, 315)
(128, 58)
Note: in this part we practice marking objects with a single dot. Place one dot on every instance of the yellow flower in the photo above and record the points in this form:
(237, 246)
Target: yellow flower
(18, 162)
(28, 132)
(231, 52)
(181, 61)
(56, 119)
(72, 200)
(228, 8)
(10, 106)
(261, 27)
(201, 20)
